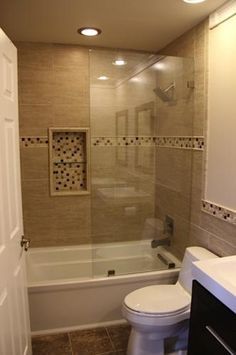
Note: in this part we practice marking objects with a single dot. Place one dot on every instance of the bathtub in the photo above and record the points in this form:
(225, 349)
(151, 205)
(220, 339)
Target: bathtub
(80, 287)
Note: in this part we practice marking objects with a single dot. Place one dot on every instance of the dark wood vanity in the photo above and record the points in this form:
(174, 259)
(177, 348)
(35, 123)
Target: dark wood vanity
(212, 325)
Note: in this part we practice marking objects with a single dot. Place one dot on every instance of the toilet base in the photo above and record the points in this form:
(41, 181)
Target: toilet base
(163, 340)
(144, 344)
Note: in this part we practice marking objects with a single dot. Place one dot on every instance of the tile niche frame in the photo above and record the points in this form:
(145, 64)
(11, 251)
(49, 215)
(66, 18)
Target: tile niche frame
(69, 175)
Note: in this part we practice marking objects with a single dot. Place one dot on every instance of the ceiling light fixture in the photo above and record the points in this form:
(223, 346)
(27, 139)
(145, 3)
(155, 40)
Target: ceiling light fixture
(193, 1)
(103, 77)
(89, 31)
(119, 62)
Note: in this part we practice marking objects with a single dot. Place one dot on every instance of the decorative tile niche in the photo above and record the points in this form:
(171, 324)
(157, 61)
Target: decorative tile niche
(69, 161)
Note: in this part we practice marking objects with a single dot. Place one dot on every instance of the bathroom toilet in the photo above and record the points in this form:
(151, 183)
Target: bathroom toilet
(158, 312)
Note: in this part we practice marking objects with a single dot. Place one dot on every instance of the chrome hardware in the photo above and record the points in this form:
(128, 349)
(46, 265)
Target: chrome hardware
(111, 273)
(157, 242)
(169, 263)
(25, 243)
(190, 84)
(167, 233)
(220, 340)
(168, 226)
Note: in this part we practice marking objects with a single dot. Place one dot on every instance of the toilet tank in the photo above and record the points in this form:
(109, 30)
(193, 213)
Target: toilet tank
(192, 254)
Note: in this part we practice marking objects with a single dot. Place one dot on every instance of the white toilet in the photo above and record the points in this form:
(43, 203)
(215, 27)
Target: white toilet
(162, 311)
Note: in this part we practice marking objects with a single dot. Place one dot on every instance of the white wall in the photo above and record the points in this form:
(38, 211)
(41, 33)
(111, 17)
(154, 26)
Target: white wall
(221, 151)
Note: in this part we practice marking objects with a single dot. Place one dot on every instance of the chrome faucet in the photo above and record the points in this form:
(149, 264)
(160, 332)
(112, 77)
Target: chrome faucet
(157, 242)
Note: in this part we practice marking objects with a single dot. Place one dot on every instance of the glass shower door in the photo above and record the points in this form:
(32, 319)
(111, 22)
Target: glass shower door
(126, 185)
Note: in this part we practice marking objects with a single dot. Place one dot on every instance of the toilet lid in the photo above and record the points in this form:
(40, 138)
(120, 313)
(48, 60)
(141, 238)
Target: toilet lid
(161, 299)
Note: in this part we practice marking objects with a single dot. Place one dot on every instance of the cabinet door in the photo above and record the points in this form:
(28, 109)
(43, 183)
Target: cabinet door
(212, 325)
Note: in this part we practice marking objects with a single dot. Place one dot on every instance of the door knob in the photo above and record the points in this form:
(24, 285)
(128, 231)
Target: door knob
(25, 243)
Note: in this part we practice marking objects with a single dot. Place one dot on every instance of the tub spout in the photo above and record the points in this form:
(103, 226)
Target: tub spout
(157, 242)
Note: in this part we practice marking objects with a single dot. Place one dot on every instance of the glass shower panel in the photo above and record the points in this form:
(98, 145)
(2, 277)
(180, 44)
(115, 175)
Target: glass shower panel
(173, 155)
(125, 178)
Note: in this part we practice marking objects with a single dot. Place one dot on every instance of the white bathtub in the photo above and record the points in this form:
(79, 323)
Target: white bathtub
(69, 287)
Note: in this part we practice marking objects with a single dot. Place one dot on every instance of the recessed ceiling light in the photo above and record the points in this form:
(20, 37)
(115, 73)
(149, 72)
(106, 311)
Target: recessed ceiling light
(89, 31)
(135, 79)
(119, 62)
(159, 66)
(103, 77)
(193, 1)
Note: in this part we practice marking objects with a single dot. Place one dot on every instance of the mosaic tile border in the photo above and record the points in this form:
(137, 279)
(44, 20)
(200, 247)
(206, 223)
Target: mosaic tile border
(219, 212)
(33, 142)
(196, 143)
(177, 142)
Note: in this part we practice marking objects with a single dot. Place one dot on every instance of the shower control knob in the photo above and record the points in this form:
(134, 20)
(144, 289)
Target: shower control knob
(25, 243)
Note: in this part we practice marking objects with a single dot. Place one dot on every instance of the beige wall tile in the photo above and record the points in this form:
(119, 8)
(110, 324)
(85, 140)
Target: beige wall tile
(173, 169)
(70, 86)
(71, 115)
(38, 210)
(221, 247)
(72, 219)
(198, 237)
(35, 119)
(169, 202)
(225, 231)
(53, 91)
(35, 85)
(70, 56)
(34, 55)
(197, 186)
(34, 163)
(205, 230)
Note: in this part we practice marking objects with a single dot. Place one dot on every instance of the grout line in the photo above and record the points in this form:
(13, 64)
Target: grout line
(110, 339)
(70, 342)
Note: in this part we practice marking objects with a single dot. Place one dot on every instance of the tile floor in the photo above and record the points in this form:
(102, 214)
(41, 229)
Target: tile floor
(100, 341)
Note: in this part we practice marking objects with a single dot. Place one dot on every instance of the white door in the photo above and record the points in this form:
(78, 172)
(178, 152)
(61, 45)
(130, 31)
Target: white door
(14, 313)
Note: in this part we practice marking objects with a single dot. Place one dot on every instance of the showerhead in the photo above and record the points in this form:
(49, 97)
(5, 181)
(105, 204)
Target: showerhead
(162, 95)
(165, 95)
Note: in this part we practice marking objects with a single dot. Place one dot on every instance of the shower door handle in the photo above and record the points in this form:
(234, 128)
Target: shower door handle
(25, 243)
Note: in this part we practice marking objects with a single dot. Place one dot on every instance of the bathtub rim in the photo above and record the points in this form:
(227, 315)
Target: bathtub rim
(67, 284)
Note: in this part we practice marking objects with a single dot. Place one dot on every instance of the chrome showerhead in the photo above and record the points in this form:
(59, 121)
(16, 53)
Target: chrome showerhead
(165, 95)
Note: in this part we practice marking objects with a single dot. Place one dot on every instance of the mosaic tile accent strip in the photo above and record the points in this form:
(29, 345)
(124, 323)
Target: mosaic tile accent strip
(196, 143)
(33, 142)
(123, 141)
(219, 212)
(184, 142)
(104, 141)
(69, 161)
(135, 141)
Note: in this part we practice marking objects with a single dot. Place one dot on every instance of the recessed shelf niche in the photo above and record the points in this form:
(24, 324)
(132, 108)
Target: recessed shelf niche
(69, 161)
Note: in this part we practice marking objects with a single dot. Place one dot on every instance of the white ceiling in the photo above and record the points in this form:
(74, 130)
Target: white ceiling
(134, 24)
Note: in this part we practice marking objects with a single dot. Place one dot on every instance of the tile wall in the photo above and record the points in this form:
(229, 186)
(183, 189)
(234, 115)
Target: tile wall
(53, 92)
(205, 230)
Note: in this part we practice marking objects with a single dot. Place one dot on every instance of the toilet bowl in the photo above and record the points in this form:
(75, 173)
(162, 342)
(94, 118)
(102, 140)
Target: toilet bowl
(159, 312)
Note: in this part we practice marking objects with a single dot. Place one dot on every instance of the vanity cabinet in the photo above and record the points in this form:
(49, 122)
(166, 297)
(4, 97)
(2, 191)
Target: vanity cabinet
(212, 325)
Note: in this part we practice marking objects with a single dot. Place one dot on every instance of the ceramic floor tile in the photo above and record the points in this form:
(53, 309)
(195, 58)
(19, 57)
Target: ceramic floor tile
(57, 344)
(91, 342)
(119, 336)
(120, 352)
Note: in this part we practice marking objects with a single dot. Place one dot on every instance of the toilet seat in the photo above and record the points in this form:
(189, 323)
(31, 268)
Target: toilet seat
(158, 301)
